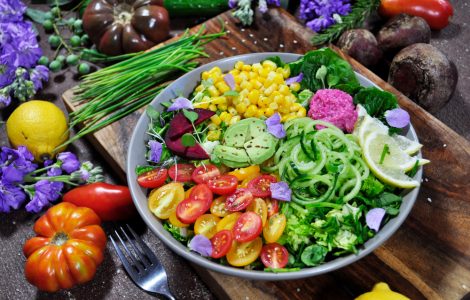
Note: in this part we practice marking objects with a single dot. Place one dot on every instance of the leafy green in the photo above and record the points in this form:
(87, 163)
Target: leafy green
(36, 15)
(277, 60)
(414, 170)
(139, 170)
(188, 140)
(372, 187)
(390, 202)
(351, 88)
(314, 255)
(304, 97)
(152, 113)
(231, 93)
(375, 101)
(298, 230)
(190, 115)
(338, 71)
(179, 234)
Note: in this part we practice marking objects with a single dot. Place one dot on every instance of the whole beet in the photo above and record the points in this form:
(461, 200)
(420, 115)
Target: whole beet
(425, 75)
(401, 31)
(361, 45)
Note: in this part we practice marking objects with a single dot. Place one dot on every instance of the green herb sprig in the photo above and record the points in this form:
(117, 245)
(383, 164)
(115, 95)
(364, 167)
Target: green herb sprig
(360, 11)
(116, 91)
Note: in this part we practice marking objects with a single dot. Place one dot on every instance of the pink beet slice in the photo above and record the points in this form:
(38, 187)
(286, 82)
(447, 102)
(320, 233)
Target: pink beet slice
(181, 125)
(194, 152)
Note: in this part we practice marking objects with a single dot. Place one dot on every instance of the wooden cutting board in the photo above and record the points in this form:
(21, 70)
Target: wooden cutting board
(427, 258)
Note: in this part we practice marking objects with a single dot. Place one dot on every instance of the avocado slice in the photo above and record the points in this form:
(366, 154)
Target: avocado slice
(232, 157)
(236, 135)
(261, 148)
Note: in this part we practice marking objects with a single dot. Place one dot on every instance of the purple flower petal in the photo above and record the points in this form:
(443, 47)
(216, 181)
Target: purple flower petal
(70, 162)
(397, 117)
(45, 192)
(230, 81)
(12, 175)
(156, 149)
(374, 218)
(201, 245)
(294, 79)
(11, 196)
(280, 191)
(275, 127)
(232, 3)
(180, 103)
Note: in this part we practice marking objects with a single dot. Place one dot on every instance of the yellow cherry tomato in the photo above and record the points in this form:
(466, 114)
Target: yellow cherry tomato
(258, 206)
(218, 207)
(206, 225)
(175, 222)
(245, 181)
(243, 173)
(228, 222)
(163, 201)
(274, 228)
(243, 254)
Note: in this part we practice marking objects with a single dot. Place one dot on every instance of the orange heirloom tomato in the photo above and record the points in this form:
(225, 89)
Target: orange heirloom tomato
(67, 248)
(244, 173)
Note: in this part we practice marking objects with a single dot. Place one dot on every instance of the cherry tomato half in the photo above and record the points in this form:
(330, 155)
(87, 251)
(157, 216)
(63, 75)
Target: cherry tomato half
(206, 225)
(218, 207)
(163, 201)
(259, 207)
(274, 228)
(181, 172)
(239, 200)
(243, 254)
(248, 227)
(273, 206)
(223, 184)
(228, 222)
(196, 205)
(202, 174)
(221, 243)
(260, 186)
(274, 256)
(153, 178)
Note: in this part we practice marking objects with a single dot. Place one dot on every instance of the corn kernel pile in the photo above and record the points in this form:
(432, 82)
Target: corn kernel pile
(262, 91)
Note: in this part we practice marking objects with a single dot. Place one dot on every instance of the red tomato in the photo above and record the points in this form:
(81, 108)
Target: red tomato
(223, 184)
(221, 243)
(110, 202)
(239, 200)
(274, 256)
(202, 174)
(260, 186)
(196, 205)
(273, 206)
(248, 227)
(153, 178)
(437, 13)
(181, 172)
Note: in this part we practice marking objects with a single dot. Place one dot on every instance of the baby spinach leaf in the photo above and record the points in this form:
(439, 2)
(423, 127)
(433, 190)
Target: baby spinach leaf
(313, 255)
(277, 60)
(375, 101)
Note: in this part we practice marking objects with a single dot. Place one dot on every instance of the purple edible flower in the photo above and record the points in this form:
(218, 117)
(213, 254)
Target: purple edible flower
(38, 75)
(24, 50)
(232, 3)
(374, 217)
(294, 79)
(274, 2)
(397, 117)
(280, 191)
(45, 192)
(70, 162)
(275, 127)
(262, 6)
(11, 196)
(156, 149)
(21, 159)
(54, 172)
(320, 14)
(180, 103)
(201, 245)
(12, 175)
(11, 11)
(230, 81)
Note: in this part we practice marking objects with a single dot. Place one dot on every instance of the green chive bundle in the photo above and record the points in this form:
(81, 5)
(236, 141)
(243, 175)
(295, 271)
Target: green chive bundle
(114, 92)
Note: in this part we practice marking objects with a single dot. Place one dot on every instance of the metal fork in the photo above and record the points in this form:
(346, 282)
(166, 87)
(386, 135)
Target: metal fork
(141, 264)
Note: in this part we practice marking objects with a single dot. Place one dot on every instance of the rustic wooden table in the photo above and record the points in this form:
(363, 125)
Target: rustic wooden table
(435, 266)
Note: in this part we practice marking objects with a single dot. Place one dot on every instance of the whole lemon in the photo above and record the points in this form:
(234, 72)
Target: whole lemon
(40, 126)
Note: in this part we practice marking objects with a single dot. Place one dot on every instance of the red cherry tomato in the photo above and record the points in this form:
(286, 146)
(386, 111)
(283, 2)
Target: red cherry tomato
(239, 200)
(202, 174)
(260, 186)
(274, 256)
(273, 206)
(223, 184)
(196, 205)
(153, 178)
(181, 172)
(248, 227)
(221, 243)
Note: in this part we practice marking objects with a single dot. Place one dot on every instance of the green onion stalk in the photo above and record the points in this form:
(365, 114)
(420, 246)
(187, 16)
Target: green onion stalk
(114, 92)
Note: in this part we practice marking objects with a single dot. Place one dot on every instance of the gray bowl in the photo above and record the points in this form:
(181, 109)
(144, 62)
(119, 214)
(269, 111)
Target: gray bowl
(136, 156)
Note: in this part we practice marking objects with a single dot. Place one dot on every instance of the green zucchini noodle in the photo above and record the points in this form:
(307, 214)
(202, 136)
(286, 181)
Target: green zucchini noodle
(322, 165)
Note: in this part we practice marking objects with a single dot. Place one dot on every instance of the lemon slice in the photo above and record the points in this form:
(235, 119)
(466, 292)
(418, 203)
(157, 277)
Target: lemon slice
(408, 146)
(393, 166)
(366, 125)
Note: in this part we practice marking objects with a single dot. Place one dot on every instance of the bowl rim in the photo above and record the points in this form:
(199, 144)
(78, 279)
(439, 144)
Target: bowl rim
(156, 227)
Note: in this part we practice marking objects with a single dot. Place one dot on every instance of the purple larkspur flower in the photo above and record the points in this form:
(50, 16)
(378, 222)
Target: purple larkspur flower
(320, 14)
(180, 103)
(156, 149)
(12, 175)
(397, 117)
(11, 196)
(230, 81)
(21, 159)
(294, 79)
(275, 127)
(201, 245)
(12, 10)
(274, 2)
(45, 192)
(54, 172)
(280, 191)
(5, 99)
(69, 162)
(232, 3)
(320, 23)
(23, 49)
(7, 76)
(374, 218)
(39, 74)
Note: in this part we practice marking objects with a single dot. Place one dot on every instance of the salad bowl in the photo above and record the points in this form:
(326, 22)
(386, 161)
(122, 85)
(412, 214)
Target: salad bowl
(136, 156)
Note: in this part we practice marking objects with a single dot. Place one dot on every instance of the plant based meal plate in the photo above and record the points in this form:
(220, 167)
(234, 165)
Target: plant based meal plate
(275, 166)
